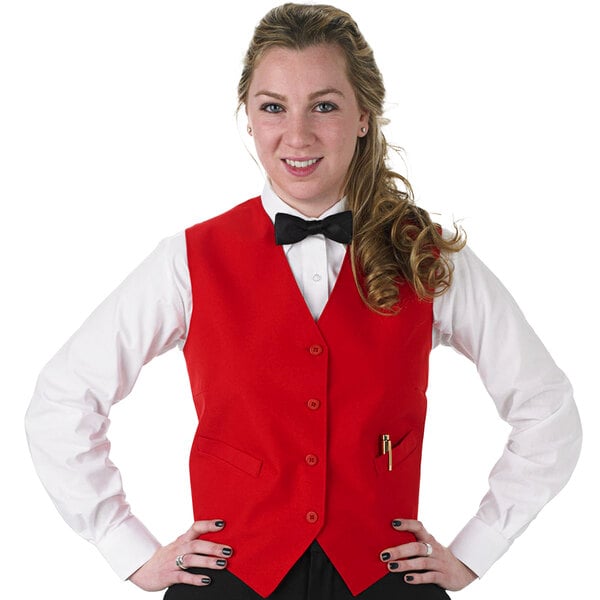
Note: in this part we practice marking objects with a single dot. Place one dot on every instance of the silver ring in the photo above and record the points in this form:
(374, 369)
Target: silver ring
(179, 562)
(429, 549)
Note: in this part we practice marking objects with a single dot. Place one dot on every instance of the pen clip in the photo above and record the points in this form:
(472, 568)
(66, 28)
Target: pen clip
(386, 448)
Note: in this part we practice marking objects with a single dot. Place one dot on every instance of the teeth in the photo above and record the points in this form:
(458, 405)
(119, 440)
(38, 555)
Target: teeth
(301, 164)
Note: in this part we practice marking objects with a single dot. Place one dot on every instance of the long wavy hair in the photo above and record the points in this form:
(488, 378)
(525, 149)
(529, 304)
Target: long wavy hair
(395, 242)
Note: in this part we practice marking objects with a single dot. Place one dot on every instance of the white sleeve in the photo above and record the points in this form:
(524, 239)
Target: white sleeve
(480, 319)
(67, 419)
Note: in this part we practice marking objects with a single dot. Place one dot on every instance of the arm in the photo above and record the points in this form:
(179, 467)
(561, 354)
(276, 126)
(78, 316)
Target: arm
(67, 419)
(480, 319)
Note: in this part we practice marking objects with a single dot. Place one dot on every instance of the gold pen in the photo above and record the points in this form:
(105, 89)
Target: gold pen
(386, 448)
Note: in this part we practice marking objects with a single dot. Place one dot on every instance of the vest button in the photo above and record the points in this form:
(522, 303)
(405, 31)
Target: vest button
(313, 404)
(315, 349)
(311, 460)
(312, 516)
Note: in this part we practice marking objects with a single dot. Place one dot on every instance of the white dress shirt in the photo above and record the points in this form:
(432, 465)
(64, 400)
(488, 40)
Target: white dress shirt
(149, 313)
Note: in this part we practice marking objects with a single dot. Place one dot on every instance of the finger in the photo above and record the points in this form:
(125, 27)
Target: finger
(200, 527)
(413, 526)
(205, 562)
(428, 577)
(201, 546)
(409, 550)
(192, 579)
(414, 564)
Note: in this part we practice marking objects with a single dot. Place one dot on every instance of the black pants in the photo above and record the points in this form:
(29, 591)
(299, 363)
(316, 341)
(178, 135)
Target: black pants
(313, 577)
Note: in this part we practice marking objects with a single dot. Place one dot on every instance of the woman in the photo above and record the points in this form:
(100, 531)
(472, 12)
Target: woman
(305, 465)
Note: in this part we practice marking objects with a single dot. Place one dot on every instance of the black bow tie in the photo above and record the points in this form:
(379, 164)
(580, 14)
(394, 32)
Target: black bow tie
(290, 229)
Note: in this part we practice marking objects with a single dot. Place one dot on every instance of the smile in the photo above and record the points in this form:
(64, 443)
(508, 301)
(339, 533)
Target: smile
(301, 164)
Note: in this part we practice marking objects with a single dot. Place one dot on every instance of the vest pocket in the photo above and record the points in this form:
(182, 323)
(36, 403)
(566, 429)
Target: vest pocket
(400, 452)
(233, 456)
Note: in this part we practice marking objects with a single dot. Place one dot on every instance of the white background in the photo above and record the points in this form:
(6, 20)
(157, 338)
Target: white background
(117, 128)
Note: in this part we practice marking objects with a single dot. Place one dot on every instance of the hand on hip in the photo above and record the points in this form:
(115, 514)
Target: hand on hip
(169, 563)
(440, 566)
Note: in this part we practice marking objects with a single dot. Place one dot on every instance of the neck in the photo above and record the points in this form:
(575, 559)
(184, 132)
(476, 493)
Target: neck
(312, 208)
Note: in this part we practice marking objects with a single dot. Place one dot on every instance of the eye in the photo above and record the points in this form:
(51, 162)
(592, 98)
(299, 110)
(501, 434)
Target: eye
(271, 107)
(325, 107)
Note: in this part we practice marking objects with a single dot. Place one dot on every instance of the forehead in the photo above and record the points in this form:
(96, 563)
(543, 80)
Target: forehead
(321, 66)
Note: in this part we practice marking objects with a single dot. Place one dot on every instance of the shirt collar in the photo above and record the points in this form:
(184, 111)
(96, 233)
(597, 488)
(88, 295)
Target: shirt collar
(273, 204)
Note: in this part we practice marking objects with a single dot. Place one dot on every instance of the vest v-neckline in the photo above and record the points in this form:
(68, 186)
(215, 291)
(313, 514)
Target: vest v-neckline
(292, 284)
(298, 292)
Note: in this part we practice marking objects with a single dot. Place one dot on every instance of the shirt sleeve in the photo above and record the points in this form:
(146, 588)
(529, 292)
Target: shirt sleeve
(480, 319)
(67, 419)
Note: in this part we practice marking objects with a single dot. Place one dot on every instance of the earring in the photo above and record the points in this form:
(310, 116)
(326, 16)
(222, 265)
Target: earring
(363, 129)
(249, 130)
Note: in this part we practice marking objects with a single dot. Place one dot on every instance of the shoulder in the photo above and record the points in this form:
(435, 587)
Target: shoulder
(235, 220)
(465, 264)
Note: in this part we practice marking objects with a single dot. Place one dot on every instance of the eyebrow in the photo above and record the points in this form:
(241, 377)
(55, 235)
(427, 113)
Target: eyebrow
(312, 96)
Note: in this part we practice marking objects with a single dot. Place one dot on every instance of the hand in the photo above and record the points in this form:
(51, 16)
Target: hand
(161, 570)
(441, 566)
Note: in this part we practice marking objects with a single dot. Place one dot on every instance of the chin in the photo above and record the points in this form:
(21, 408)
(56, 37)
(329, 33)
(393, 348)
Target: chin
(306, 194)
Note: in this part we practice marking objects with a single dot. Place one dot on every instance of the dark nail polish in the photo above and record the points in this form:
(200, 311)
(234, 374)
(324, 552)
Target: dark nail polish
(221, 562)
(220, 523)
(206, 580)
(393, 566)
(227, 551)
(409, 578)
(385, 556)
(396, 523)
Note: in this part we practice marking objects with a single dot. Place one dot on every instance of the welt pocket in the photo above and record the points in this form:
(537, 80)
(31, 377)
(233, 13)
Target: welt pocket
(229, 454)
(400, 452)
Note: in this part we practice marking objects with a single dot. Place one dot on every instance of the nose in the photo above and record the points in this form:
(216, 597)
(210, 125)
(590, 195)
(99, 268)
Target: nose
(299, 131)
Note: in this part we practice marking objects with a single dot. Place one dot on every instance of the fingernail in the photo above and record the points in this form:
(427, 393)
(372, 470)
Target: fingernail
(206, 580)
(227, 551)
(409, 578)
(396, 523)
(221, 562)
(393, 566)
(385, 556)
(219, 523)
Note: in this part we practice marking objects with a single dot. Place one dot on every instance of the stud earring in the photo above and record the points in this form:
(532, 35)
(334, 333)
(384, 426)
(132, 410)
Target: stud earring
(363, 129)
(249, 130)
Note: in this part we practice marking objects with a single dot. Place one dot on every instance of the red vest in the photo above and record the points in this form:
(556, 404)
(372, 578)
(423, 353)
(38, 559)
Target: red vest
(291, 410)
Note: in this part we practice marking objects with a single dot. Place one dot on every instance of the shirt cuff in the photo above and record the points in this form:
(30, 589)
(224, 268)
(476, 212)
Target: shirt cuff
(128, 547)
(479, 546)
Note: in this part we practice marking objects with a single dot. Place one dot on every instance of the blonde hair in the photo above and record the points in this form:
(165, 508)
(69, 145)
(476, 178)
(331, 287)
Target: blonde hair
(394, 240)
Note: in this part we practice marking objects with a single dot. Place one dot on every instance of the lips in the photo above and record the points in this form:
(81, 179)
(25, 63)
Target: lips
(301, 166)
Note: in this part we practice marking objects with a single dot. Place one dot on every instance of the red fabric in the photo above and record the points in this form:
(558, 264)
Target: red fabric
(279, 468)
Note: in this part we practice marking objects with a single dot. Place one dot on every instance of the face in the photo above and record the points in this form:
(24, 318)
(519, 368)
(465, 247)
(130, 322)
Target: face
(305, 121)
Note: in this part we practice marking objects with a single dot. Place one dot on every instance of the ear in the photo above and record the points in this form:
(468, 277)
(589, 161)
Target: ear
(248, 123)
(363, 124)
